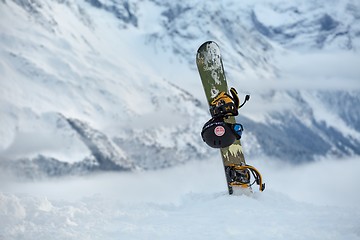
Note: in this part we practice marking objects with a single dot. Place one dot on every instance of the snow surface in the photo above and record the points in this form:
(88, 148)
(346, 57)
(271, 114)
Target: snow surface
(313, 201)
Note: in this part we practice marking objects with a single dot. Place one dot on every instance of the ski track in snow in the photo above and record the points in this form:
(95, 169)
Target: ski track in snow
(186, 202)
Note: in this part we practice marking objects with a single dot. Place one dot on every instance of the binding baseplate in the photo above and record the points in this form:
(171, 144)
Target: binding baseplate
(240, 176)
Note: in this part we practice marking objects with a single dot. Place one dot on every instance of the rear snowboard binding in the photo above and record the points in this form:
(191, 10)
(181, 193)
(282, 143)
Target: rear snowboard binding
(240, 176)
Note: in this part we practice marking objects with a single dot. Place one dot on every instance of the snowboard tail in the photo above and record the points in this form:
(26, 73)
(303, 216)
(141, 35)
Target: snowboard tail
(212, 74)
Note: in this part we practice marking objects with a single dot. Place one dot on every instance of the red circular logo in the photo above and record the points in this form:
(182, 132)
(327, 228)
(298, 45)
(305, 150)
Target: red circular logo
(219, 131)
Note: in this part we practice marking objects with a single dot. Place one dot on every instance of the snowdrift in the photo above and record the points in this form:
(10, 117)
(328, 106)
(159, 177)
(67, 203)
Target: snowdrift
(187, 202)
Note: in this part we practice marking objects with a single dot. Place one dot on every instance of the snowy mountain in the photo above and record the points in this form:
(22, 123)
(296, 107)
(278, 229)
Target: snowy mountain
(112, 85)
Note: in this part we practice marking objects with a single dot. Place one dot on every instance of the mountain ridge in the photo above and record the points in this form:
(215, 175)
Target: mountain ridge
(102, 69)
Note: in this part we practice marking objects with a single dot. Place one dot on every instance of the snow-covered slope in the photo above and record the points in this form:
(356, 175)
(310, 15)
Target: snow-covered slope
(75, 62)
(94, 85)
(185, 203)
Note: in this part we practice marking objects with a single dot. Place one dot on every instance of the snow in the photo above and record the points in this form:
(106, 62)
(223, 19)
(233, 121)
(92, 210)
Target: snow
(313, 201)
(72, 59)
(72, 70)
(85, 63)
(271, 17)
(321, 114)
(329, 70)
(53, 137)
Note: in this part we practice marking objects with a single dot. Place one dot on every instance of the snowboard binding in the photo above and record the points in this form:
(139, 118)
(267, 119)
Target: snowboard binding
(224, 104)
(240, 176)
(217, 133)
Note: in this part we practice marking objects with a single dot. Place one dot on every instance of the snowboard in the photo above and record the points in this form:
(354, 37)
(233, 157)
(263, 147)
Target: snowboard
(212, 74)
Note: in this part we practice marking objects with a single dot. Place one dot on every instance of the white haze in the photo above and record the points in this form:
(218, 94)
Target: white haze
(313, 201)
(323, 182)
(337, 70)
